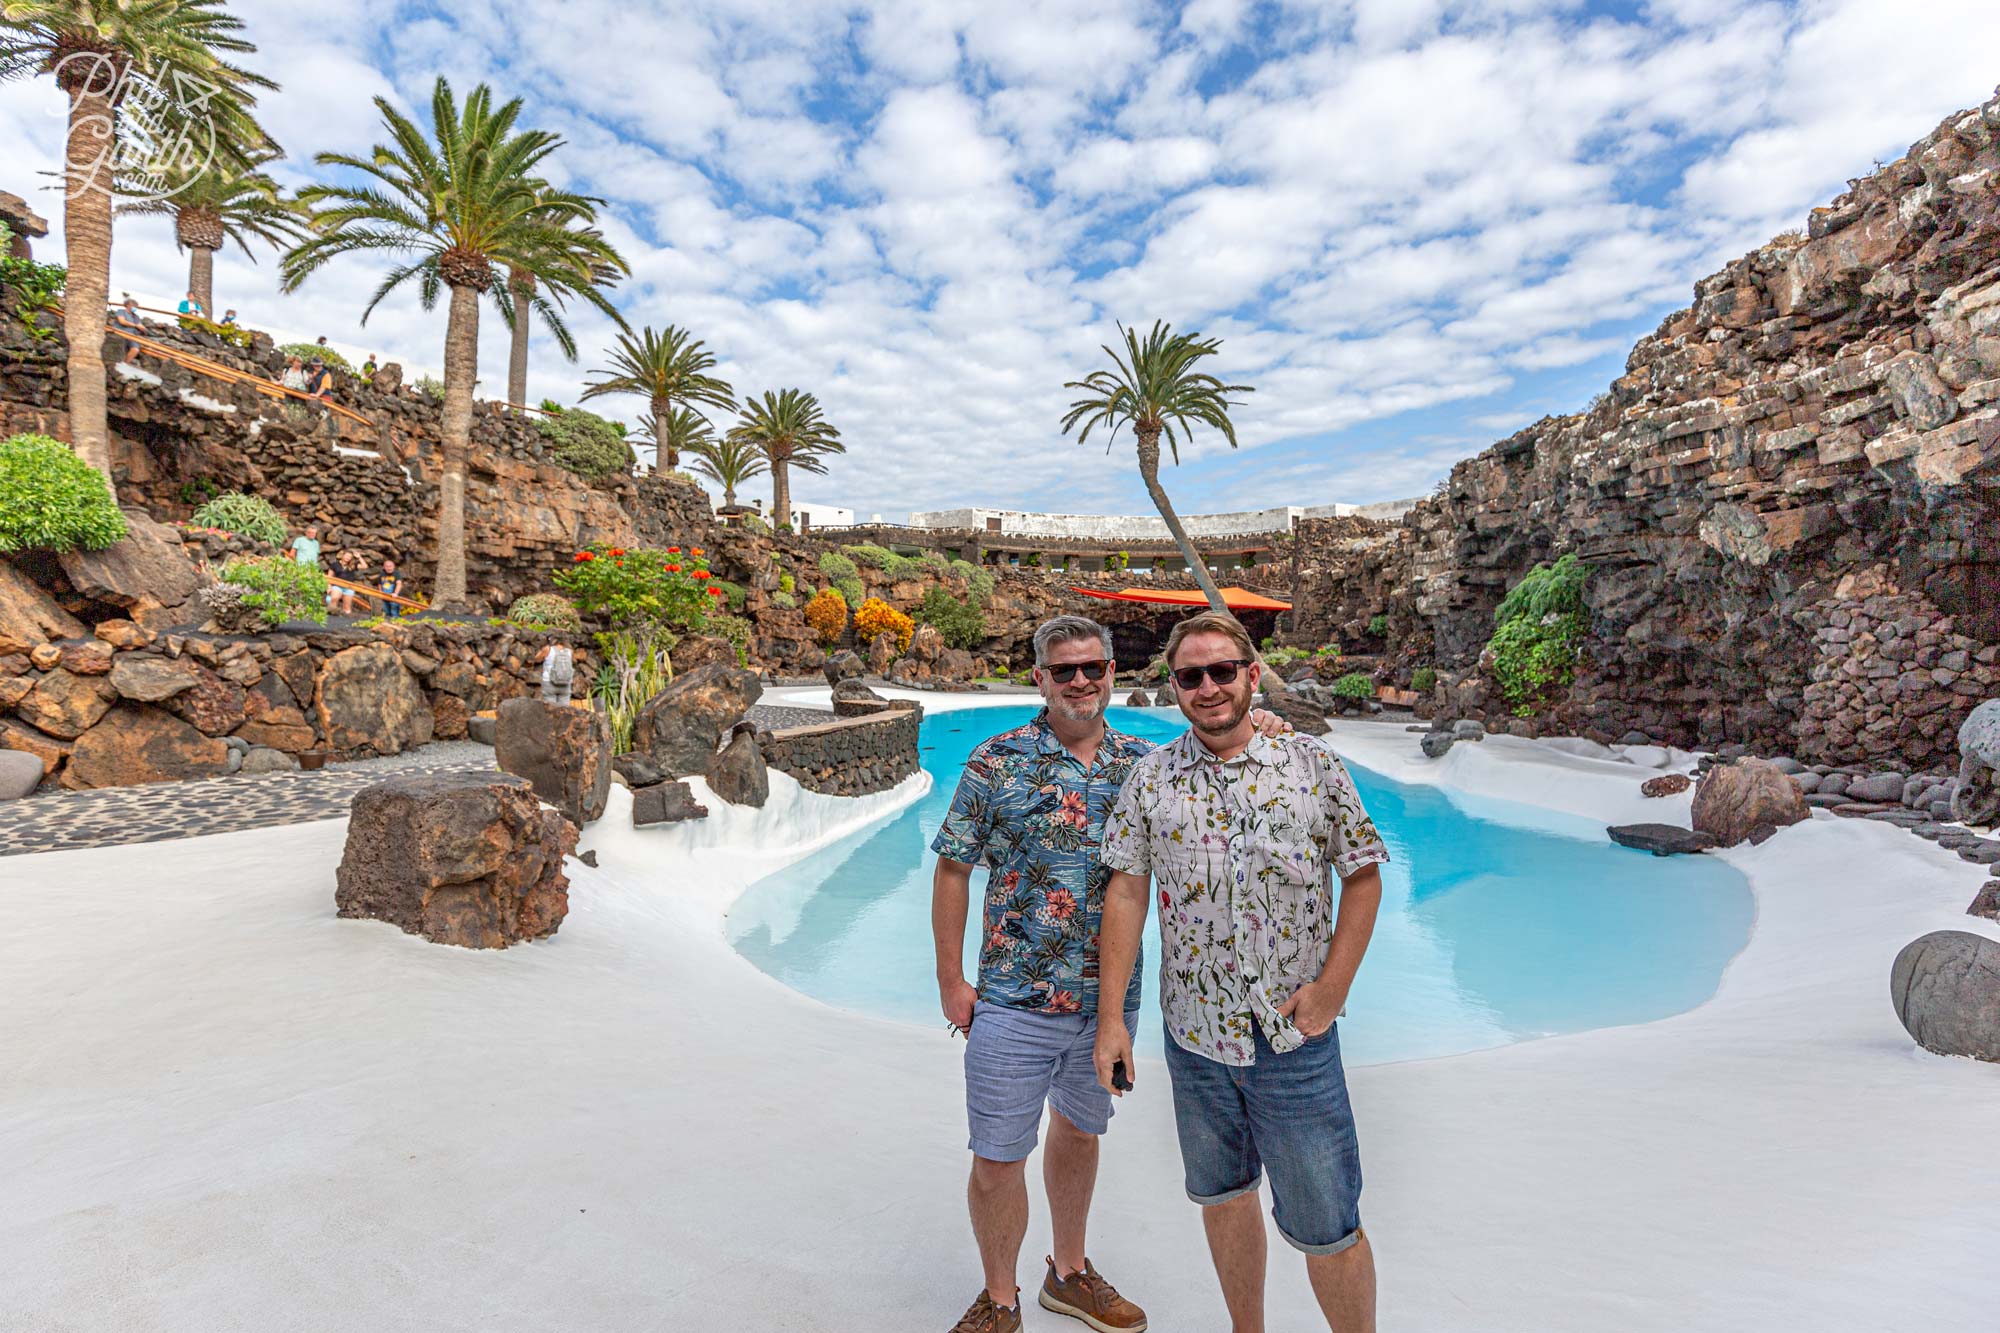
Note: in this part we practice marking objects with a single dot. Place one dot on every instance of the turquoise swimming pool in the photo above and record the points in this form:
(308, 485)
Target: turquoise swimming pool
(1499, 922)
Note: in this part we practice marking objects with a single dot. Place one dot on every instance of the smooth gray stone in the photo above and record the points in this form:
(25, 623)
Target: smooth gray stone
(1945, 987)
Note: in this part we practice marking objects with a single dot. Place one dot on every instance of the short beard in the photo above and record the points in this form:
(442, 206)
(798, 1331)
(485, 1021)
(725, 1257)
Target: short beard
(1238, 710)
(1070, 713)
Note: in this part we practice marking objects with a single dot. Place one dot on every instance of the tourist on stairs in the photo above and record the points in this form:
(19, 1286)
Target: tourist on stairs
(1255, 968)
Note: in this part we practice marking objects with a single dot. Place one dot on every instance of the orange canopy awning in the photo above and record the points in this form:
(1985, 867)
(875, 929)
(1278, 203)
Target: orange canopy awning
(1236, 599)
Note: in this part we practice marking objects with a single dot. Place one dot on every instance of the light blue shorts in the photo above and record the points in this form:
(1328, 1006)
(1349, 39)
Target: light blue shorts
(1015, 1061)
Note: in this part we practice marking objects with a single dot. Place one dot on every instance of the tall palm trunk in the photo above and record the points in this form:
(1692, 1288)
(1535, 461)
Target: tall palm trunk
(781, 493)
(201, 278)
(87, 234)
(666, 458)
(521, 286)
(1149, 469)
(461, 365)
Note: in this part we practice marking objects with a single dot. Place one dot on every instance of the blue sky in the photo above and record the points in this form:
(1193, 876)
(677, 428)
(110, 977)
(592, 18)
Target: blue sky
(1416, 224)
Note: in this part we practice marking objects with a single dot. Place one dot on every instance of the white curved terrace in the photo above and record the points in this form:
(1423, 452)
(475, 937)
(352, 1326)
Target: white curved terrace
(1144, 527)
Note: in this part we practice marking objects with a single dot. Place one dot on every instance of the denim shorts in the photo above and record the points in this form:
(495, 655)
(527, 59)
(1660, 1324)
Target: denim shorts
(1287, 1115)
(1018, 1059)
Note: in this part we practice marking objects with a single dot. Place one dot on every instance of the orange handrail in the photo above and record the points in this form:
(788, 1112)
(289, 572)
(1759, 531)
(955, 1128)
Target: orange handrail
(230, 375)
(376, 592)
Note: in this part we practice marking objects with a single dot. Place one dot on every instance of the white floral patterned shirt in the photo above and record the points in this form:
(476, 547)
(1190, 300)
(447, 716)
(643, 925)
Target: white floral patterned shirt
(1241, 851)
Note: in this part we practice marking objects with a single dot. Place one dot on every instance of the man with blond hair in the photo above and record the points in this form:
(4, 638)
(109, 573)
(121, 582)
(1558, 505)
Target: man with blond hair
(1254, 970)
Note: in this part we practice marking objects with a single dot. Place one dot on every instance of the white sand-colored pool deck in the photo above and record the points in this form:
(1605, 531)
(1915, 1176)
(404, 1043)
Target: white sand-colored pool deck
(222, 1108)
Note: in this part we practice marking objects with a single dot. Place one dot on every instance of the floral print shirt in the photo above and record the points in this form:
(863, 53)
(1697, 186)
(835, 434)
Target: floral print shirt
(1034, 816)
(1241, 851)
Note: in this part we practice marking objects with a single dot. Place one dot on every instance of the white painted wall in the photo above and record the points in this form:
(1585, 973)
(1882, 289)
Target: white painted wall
(823, 516)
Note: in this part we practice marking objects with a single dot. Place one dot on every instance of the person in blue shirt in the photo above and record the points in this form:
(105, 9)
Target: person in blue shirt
(190, 306)
(305, 549)
(229, 317)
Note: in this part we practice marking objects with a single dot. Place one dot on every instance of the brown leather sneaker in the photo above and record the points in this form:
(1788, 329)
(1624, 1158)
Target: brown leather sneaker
(986, 1317)
(1087, 1296)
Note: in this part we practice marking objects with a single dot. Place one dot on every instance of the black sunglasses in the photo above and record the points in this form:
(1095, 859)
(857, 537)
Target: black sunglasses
(1222, 673)
(1066, 673)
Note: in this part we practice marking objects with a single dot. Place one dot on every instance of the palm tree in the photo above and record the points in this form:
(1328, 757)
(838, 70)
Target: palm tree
(688, 431)
(667, 367)
(218, 203)
(1155, 389)
(463, 201)
(728, 461)
(93, 49)
(583, 265)
(788, 431)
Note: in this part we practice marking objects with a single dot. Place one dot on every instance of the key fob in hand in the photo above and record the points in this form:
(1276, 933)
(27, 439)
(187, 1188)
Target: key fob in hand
(1120, 1080)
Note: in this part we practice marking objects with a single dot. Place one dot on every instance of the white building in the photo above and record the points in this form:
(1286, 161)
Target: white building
(807, 514)
(1149, 527)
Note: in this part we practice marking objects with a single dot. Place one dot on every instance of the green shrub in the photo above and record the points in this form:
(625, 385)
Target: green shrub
(1355, 685)
(867, 553)
(35, 288)
(1424, 679)
(837, 566)
(245, 515)
(786, 583)
(544, 610)
(586, 444)
(981, 580)
(638, 586)
(51, 500)
(784, 600)
(851, 589)
(1278, 658)
(959, 623)
(431, 387)
(637, 665)
(307, 351)
(735, 629)
(1539, 629)
(234, 334)
(732, 593)
(1378, 626)
(279, 589)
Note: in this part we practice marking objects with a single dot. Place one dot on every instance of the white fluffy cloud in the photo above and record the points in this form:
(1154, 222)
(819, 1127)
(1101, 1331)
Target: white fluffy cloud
(1390, 210)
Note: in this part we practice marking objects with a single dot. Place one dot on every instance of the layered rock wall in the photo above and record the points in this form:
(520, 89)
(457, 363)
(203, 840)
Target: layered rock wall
(850, 757)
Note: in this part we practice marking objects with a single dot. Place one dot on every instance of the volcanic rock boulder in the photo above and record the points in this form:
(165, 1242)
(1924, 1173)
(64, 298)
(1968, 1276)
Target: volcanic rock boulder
(1977, 799)
(367, 700)
(1302, 713)
(1986, 902)
(459, 858)
(149, 573)
(1735, 800)
(20, 773)
(29, 616)
(1138, 699)
(682, 724)
(1946, 989)
(139, 743)
(1437, 744)
(738, 774)
(1660, 839)
(147, 679)
(665, 803)
(563, 752)
(845, 665)
(696, 651)
(1667, 784)
(66, 705)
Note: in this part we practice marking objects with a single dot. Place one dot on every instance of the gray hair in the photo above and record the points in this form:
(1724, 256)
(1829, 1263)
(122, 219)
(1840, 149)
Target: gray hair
(1063, 629)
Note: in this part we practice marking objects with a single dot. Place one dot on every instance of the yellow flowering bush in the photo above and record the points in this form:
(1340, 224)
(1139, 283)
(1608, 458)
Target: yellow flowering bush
(877, 616)
(827, 614)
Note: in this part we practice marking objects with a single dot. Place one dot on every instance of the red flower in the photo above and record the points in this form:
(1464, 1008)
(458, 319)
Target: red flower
(1061, 905)
(582, 556)
(715, 592)
(617, 550)
(701, 574)
(695, 551)
(619, 563)
(673, 550)
(673, 569)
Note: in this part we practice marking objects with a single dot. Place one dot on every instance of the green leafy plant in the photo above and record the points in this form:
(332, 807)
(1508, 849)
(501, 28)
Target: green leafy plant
(249, 516)
(278, 589)
(1118, 561)
(785, 600)
(735, 629)
(431, 387)
(1539, 628)
(1378, 626)
(234, 334)
(852, 590)
(586, 444)
(1424, 679)
(307, 351)
(786, 583)
(199, 490)
(1355, 685)
(867, 553)
(732, 593)
(638, 664)
(959, 622)
(544, 610)
(36, 288)
(667, 588)
(551, 406)
(837, 566)
(51, 500)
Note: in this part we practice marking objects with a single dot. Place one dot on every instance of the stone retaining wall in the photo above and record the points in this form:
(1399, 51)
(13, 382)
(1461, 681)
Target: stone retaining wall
(850, 757)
